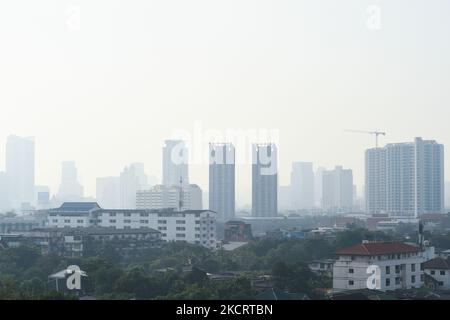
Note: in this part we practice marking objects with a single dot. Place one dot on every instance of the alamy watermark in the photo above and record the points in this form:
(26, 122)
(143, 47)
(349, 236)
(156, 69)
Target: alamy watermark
(73, 282)
(241, 146)
(374, 279)
(373, 17)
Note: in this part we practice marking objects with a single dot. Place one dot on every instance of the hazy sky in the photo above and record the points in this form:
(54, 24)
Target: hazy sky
(109, 92)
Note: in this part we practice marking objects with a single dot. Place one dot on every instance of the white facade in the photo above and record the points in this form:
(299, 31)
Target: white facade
(193, 226)
(439, 270)
(337, 189)
(405, 179)
(163, 197)
(397, 270)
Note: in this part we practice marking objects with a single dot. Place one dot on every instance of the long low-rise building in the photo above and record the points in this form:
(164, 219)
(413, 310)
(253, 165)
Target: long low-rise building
(193, 226)
(72, 242)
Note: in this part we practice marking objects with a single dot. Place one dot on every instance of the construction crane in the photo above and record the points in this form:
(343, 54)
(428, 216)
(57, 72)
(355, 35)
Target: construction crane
(375, 133)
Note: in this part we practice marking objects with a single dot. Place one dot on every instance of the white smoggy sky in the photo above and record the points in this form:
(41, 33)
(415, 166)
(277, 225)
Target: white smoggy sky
(108, 90)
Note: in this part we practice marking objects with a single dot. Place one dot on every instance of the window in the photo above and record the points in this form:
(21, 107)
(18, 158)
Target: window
(112, 214)
(397, 269)
(413, 267)
(67, 221)
(162, 228)
(442, 273)
(127, 214)
(413, 279)
(79, 221)
(162, 221)
(181, 235)
(397, 280)
(197, 236)
(126, 221)
(55, 220)
(351, 270)
(181, 222)
(144, 214)
(144, 221)
(440, 283)
(432, 272)
(388, 270)
(181, 228)
(351, 282)
(112, 221)
(422, 277)
(388, 282)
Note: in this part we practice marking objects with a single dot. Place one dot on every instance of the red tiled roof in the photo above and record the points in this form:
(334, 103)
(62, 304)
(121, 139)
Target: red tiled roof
(437, 263)
(378, 248)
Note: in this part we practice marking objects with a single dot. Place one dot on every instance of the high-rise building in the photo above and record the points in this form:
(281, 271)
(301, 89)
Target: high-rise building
(108, 192)
(20, 170)
(405, 179)
(302, 185)
(132, 179)
(42, 194)
(222, 180)
(175, 163)
(284, 198)
(165, 197)
(4, 193)
(264, 180)
(318, 180)
(337, 189)
(70, 189)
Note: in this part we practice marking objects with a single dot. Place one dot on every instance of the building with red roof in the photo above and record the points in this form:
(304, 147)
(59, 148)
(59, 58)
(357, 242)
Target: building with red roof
(385, 266)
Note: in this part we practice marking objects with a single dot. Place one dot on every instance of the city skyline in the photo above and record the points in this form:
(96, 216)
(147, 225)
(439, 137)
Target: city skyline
(143, 184)
(128, 78)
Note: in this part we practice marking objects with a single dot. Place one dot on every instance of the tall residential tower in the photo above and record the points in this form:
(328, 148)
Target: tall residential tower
(264, 180)
(222, 180)
(405, 179)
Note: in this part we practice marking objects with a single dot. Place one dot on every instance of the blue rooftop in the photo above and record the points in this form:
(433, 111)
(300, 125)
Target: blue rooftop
(79, 206)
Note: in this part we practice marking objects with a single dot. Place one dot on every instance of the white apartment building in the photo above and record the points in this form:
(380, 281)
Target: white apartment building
(397, 265)
(164, 197)
(405, 179)
(192, 226)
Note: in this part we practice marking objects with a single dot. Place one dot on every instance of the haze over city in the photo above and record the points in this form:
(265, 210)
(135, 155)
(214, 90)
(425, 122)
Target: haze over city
(106, 90)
